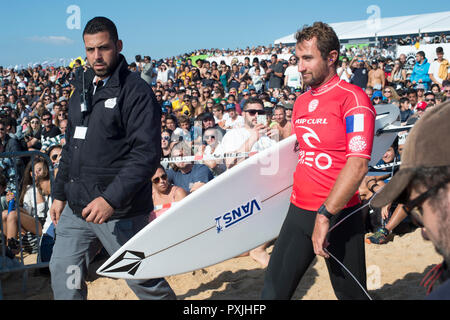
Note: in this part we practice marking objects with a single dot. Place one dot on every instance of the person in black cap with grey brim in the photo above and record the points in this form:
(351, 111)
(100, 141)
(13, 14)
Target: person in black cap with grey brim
(422, 185)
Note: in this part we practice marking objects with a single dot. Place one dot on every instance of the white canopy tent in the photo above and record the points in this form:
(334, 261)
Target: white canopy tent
(386, 27)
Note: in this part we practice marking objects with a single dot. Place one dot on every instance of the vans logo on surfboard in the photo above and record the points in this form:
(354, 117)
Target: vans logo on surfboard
(237, 215)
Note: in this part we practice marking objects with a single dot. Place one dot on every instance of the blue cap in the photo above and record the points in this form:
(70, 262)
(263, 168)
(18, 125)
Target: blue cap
(274, 100)
(231, 106)
(377, 94)
(245, 91)
(167, 103)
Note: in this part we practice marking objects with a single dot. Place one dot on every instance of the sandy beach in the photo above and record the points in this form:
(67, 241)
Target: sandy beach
(394, 272)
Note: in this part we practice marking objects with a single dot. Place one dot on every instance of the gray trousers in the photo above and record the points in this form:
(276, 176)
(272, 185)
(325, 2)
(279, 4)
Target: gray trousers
(77, 242)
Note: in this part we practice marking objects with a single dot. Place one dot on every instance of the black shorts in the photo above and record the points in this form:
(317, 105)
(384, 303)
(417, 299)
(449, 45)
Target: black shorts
(293, 254)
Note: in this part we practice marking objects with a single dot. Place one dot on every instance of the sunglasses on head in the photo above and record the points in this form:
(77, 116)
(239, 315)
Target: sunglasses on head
(252, 112)
(157, 179)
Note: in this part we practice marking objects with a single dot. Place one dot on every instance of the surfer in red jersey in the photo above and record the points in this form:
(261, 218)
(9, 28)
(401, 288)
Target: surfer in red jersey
(334, 124)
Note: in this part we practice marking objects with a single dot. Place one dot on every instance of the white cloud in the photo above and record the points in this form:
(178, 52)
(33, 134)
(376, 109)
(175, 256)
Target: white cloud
(56, 40)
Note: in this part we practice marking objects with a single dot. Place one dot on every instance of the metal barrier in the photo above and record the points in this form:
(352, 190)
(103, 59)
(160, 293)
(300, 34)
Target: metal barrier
(20, 265)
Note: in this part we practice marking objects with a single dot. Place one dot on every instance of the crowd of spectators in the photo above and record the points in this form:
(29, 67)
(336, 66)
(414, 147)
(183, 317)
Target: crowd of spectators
(202, 101)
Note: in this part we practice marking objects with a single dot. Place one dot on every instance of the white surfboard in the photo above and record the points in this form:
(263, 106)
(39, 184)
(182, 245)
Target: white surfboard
(237, 211)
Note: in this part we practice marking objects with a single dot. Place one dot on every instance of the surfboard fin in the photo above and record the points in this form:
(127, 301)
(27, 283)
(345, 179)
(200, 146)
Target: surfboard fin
(128, 261)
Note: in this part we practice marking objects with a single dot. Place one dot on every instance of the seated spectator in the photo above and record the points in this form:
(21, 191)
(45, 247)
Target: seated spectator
(377, 98)
(26, 204)
(183, 132)
(48, 229)
(440, 98)
(171, 122)
(54, 153)
(420, 109)
(282, 128)
(166, 143)
(164, 193)
(390, 95)
(430, 98)
(49, 130)
(219, 118)
(212, 138)
(187, 175)
(405, 111)
(233, 120)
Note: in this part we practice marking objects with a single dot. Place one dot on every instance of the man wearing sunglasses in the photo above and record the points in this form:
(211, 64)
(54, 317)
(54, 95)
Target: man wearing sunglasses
(251, 137)
(49, 130)
(423, 185)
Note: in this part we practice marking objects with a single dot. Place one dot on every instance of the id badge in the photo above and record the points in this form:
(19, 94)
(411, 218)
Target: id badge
(80, 132)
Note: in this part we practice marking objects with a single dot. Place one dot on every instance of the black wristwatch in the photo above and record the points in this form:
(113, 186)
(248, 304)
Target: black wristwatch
(323, 211)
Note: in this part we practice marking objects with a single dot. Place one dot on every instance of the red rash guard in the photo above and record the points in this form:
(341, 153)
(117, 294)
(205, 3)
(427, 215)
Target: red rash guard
(332, 122)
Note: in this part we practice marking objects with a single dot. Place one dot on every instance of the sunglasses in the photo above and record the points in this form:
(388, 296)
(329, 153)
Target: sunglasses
(34, 122)
(157, 179)
(387, 91)
(167, 138)
(414, 209)
(209, 137)
(430, 100)
(54, 157)
(46, 119)
(252, 112)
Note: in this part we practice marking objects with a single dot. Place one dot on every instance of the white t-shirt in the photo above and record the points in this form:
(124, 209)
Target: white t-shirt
(344, 74)
(235, 138)
(234, 124)
(163, 76)
(434, 70)
(42, 209)
(294, 77)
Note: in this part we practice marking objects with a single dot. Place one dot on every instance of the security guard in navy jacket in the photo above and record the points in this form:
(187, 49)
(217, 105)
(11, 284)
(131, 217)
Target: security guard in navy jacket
(112, 149)
(102, 194)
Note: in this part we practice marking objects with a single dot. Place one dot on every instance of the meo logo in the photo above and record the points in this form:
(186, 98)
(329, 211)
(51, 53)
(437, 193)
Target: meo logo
(236, 215)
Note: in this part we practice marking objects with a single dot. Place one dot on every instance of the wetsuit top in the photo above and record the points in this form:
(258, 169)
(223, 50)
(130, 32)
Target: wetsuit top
(332, 122)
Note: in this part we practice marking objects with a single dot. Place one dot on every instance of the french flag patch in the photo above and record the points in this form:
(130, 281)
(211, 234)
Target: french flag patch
(354, 123)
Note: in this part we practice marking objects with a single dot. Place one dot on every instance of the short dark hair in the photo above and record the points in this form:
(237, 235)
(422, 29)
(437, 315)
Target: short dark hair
(101, 24)
(413, 91)
(403, 100)
(46, 113)
(251, 101)
(326, 38)
(421, 53)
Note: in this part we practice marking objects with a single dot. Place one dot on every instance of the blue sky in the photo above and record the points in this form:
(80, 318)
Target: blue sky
(36, 31)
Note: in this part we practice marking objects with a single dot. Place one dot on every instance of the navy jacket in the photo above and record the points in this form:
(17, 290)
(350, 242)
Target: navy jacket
(121, 149)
